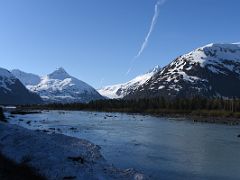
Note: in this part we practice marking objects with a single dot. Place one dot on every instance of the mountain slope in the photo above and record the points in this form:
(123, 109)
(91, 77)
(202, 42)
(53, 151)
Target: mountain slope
(209, 71)
(60, 87)
(122, 90)
(13, 92)
(26, 78)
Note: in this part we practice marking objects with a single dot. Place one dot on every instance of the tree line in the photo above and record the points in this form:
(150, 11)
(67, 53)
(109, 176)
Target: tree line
(156, 105)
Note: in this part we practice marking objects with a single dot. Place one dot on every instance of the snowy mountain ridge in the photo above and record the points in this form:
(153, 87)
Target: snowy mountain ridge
(213, 53)
(121, 90)
(28, 79)
(202, 72)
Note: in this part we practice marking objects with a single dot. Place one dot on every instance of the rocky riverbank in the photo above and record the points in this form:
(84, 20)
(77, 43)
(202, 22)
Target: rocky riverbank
(57, 156)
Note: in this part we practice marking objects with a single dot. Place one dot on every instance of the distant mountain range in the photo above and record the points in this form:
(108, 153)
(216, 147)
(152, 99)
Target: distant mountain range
(210, 71)
(58, 87)
(121, 90)
(13, 92)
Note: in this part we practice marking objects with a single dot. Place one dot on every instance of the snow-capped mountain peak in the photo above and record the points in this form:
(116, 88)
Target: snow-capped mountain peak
(58, 87)
(214, 52)
(211, 56)
(60, 74)
(155, 69)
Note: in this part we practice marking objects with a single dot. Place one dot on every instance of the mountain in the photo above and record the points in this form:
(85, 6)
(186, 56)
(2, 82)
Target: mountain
(209, 71)
(122, 90)
(13, 92)
(60, 87)
(27, 79)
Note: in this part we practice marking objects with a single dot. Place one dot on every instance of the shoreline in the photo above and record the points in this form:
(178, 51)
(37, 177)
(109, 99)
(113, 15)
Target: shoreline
(57, 156)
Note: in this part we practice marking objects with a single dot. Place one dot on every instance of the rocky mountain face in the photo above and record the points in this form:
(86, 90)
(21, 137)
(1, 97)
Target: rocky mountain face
(121, 90)
(60, 87)
(13, 92)
(209, 71)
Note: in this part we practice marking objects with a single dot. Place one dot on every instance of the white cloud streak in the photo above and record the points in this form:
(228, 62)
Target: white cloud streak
(152, 26)
(153, 23)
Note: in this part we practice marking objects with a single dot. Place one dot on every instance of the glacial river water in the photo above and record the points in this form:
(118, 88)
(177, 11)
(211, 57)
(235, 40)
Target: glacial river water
(161, 148)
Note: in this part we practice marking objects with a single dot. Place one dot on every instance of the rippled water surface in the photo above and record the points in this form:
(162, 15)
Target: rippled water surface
(159, 147)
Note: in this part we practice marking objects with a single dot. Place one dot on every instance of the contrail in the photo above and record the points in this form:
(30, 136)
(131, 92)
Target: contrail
(153, 23)
(152, 26)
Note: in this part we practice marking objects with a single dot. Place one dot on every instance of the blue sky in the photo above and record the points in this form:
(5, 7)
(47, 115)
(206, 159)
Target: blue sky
(95, 40)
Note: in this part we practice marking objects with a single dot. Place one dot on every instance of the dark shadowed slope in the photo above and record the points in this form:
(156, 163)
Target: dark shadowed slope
(13, 92)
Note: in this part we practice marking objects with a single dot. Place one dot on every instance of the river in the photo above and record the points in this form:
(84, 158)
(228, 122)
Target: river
(162, 148)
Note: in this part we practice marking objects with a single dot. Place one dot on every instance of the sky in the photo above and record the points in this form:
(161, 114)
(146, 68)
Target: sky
(98, 41)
